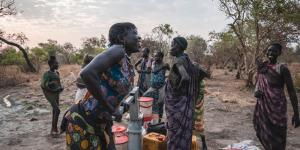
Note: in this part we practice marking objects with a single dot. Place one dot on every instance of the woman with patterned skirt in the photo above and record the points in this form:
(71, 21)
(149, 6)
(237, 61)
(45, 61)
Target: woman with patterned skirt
(108, 79)
(199, 115)
(181, 91)
(270, 115)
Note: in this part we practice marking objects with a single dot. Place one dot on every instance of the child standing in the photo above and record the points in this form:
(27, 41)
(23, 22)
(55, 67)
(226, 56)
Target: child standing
(52, 87)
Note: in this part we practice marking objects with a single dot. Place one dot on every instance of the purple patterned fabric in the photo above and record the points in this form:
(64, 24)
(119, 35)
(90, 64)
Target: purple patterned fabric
(270, 115)
(179, 105)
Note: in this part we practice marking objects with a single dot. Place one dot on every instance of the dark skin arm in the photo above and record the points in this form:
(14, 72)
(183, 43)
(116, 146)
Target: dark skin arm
(292, 93)
(184, 75)
(148, 70)
(137, 64)
(166, 66)
(91, 73)
(205, 73)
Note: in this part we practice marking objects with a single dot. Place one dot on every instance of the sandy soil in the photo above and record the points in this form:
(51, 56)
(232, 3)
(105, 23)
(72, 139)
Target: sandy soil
(228, 114)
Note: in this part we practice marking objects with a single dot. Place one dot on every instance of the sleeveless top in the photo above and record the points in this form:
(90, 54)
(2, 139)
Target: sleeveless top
(157, 79)
(115, 84)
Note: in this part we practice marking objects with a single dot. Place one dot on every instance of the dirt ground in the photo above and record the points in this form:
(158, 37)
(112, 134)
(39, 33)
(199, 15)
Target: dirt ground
(228, 113)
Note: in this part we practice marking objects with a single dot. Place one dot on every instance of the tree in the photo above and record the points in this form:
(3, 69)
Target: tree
(10, 40)
(163, 34)
(66, 52)
(40, 54)
(11, 57)
(93, 45)
(255, 28)
(196, 48)
(103, 41)
(226, 51)
(7, 8)
(17, 39)
(51, 47)
(69, 48)
(151, 43)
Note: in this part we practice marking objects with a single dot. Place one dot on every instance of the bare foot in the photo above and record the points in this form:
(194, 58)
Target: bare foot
(54, 134)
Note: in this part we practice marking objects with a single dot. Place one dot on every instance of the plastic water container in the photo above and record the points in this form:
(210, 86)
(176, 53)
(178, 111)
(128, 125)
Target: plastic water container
(146, 108)
(195, 145)
(120, 137)
(80, 93)
(155, 119)
(154, 141)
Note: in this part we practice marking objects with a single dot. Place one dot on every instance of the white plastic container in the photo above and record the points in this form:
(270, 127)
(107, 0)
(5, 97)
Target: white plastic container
(120, 137)
(146, 108)
(80, 93)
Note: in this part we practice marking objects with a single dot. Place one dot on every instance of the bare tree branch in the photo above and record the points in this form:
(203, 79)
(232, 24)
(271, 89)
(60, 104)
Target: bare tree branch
(7, 8)
(32, 68)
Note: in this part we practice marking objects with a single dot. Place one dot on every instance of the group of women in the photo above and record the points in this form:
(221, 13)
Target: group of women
(109, 78)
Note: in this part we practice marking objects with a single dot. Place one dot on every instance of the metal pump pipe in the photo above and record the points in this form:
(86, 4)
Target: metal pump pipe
(135, 122)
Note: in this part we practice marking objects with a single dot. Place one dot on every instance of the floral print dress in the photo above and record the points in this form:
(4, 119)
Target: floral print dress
(89, 122)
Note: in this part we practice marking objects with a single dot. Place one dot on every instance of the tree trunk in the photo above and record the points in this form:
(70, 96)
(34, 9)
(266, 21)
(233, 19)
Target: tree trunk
(226, 62)
(238, 74)
(249, 80)
(25, 55)
(239, 70)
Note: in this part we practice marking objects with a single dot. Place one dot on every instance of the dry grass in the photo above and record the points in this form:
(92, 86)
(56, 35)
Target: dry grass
(13, 75)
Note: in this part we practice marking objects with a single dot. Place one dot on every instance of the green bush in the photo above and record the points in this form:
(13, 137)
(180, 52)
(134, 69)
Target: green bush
(98, 51)
(91, 51)
(76, 58)
(10, 56)
(39, 53)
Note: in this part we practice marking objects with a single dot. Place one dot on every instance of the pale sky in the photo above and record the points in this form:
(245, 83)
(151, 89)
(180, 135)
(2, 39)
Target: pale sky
(72, 20)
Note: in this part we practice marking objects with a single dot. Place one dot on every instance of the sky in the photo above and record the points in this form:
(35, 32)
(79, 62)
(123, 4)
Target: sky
(73, 20)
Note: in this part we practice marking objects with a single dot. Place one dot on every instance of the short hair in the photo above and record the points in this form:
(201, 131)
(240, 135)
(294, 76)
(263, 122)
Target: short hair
(181, 41)
(119, 29)
(278, 46)
(87, 59)
(160, 53)
(146, 49)
(51, 60)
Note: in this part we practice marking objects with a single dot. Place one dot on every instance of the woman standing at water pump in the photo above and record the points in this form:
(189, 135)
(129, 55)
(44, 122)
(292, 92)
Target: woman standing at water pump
(108, 79)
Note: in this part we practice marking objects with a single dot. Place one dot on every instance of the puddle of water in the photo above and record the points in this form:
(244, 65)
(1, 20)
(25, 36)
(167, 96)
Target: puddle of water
(10, 105)
(37, 111)
(7, 101)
